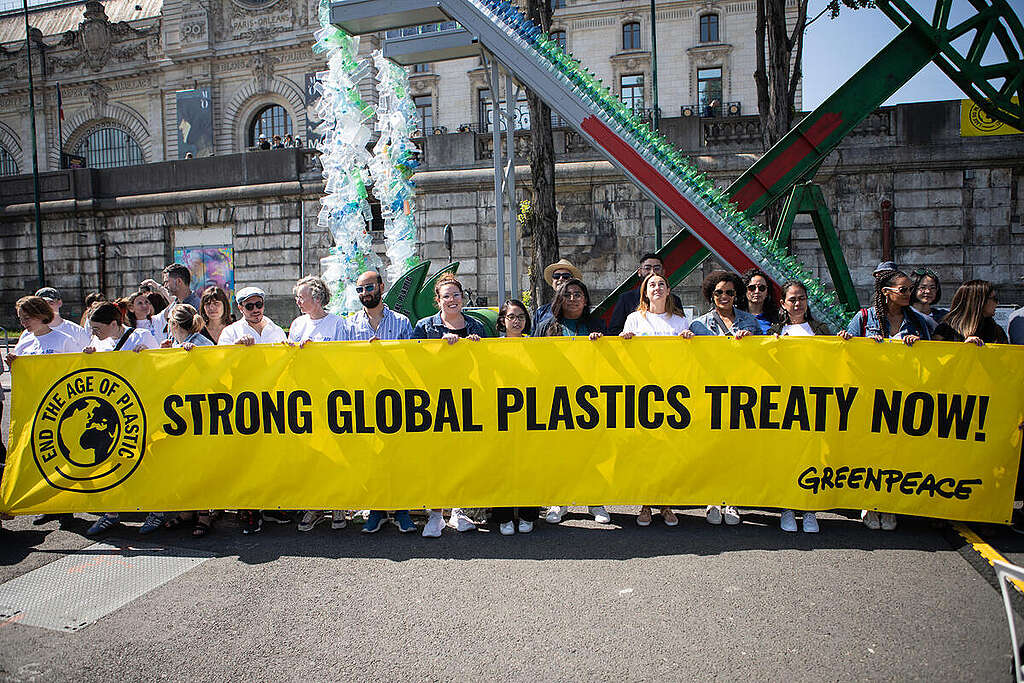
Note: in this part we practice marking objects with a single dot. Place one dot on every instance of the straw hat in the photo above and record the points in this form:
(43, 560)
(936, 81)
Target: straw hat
(562, 264)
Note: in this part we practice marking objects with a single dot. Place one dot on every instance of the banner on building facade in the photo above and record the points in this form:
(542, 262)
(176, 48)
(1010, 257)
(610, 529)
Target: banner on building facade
(974, 121)
(808, 424)
(195, 123)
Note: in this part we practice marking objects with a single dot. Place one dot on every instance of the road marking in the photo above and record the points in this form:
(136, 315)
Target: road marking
(990, 554)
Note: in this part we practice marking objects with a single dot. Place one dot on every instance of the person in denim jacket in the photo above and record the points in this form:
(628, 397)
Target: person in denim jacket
(891, 316)
(722, 289)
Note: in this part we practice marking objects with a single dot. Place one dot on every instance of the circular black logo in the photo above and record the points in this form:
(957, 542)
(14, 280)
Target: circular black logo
(89, 432)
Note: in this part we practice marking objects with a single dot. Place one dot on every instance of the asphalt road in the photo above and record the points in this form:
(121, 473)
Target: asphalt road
(577, 601)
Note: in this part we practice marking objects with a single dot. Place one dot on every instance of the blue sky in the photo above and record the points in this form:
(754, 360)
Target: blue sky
(835, 49)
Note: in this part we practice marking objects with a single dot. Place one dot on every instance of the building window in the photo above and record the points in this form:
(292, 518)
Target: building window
(559, 37)
(421, 68)
(270, 121)
(8, 166)
(521, 115)
(557, 4)
(709, 91)
(632, 88)
(425, 111)
(631, 36)
(109, 147)
(709, 28)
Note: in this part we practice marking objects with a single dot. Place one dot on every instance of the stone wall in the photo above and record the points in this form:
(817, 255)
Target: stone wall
(956, 206)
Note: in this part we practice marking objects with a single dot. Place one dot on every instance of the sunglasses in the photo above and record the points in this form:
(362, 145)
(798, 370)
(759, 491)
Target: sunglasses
(562, 276)
(253, 305)
(725, 292)
(757, 288)
(366, 288)
(901, 290)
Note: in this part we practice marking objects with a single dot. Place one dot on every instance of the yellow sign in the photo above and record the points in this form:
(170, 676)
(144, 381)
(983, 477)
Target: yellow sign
(808, 424)
(974, 121)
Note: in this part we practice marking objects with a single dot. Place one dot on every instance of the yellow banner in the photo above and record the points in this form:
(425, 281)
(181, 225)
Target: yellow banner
(809, 424)
(975, 122)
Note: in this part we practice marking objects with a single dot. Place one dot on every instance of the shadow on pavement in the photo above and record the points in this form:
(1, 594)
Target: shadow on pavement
(577, 538)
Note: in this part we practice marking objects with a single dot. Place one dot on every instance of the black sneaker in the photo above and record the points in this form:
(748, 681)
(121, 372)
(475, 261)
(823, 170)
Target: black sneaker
(278, 516)
(250, 521)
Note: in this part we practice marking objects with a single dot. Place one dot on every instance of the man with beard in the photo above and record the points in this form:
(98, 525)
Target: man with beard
(374, 322)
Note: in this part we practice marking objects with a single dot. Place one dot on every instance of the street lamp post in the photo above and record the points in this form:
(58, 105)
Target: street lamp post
(35, 159)
(655, 112)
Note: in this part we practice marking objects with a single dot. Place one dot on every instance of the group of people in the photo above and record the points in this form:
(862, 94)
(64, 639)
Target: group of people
(277, 142)
(171, 314)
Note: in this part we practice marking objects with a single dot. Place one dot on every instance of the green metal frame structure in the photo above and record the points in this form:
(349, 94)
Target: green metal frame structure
(992, 84)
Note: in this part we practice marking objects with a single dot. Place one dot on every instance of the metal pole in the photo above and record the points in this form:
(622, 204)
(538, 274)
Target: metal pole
(35, 160)
(499, 201)
(60, 130)
(510, 185)
(656, 112)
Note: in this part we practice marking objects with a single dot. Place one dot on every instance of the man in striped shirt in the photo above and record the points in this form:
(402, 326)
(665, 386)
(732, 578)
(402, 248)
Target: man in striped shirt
(374, 322)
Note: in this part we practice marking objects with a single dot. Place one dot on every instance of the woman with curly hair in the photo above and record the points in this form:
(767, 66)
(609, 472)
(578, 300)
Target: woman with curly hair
(760, 300)
(970, 316)
(722, 290)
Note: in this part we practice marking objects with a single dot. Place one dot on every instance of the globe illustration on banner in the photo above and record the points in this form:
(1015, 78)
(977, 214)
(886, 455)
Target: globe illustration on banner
(88, 431)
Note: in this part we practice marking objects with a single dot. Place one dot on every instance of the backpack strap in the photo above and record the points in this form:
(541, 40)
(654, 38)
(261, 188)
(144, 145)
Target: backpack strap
(863, 322)
(124, 338)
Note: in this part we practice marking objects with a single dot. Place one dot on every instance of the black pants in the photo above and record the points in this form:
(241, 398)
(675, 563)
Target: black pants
(502, 515)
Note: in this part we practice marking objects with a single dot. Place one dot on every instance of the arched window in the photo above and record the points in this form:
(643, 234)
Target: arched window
(559, 38)
(270, 121)
(109, 147)
(8, 166)
(631, 36)
(709, 28)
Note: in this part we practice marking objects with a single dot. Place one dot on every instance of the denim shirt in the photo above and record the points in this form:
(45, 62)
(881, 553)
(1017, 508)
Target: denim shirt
(196, 339)
(708, 324)
(913, 323)
(433, 328)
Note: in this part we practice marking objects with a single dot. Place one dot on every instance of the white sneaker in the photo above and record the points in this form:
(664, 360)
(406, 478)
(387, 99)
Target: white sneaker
(888, 521)
(435, 522)
(788, 521)
(810, 523)
(601, 515)
(731, 515)
(459, 521)
(870, 519)
(338, 520)
(713, 514)
(555, 514)
(310, 518)
(507, 528)
(525, 527)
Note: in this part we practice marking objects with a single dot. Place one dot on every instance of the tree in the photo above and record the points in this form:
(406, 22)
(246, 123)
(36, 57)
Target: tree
(542, 226)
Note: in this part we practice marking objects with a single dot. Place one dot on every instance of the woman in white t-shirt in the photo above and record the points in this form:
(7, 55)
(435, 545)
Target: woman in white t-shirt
(795, 320)
(656, 316)
(35, 314)
(315, 325)
(141, 315)
(109, 334)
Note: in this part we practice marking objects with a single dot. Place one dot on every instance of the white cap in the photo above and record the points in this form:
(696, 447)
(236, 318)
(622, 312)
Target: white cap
(247, 293)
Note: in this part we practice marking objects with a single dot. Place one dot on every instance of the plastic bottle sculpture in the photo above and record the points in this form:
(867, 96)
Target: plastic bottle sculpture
(393, 164)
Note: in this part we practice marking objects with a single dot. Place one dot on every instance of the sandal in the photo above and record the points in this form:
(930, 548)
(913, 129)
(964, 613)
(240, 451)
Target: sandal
(201, 528)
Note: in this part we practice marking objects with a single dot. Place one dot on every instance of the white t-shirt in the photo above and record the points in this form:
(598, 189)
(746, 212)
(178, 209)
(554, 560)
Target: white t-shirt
(801, 330)
(53, 341)
(655, 324)
(138, 339)
(78, 334)
(154, 325)
(329, 328)
(272, 334)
